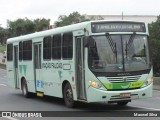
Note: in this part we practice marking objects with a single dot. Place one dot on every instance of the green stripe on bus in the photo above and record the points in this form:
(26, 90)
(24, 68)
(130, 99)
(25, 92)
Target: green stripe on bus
(123, 85)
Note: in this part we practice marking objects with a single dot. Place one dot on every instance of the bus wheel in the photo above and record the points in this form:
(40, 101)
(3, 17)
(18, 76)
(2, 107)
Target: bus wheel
(122, 103)
(68, 95)
(25, 89)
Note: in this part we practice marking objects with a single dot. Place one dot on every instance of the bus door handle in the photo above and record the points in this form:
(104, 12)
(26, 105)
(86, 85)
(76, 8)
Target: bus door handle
(10, 70)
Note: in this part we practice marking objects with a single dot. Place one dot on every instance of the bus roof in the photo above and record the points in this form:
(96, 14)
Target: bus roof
(58, 30)
(69, 28)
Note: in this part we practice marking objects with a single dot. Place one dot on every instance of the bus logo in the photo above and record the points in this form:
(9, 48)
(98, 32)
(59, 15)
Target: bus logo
(124, 79)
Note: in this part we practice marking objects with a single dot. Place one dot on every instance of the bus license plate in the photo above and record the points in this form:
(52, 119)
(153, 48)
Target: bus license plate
(125, 94)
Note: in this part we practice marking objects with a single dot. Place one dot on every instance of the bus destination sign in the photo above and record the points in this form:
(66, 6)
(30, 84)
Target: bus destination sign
(118, 27)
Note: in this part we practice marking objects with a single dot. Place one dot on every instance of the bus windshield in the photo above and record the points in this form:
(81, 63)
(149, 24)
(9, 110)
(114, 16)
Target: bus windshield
(119, 53)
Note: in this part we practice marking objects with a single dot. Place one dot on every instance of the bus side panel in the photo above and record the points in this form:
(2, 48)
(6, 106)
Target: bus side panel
(10, 74)
(54, 73)
(26, 70)
(51, 81)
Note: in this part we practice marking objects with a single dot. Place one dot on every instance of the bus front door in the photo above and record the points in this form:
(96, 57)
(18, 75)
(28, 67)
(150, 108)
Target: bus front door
(37, 67)
(80, 83)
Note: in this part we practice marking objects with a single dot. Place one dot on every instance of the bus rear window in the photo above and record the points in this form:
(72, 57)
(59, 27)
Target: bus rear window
(9, 52)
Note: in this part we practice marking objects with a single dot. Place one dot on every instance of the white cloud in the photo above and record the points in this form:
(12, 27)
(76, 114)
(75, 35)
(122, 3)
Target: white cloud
(32, 9)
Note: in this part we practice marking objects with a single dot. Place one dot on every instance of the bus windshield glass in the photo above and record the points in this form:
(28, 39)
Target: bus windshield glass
(119, 53)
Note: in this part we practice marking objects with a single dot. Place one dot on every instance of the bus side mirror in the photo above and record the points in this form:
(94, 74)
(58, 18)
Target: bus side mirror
(88, 42)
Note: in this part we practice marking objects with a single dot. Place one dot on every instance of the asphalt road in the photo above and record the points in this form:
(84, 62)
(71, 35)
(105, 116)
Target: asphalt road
(13, 100)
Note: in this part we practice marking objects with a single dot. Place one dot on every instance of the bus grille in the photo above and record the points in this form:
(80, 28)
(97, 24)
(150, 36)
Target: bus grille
(124, 79)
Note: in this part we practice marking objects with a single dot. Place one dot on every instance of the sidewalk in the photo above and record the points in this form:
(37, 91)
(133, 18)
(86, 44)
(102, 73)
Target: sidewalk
(2, 66)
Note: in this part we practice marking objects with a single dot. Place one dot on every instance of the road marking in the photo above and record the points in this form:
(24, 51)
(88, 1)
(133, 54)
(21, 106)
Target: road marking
(147, 108)
(10, 118)
(3, 85)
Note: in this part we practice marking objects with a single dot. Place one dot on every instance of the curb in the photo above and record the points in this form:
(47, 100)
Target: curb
(156, 87)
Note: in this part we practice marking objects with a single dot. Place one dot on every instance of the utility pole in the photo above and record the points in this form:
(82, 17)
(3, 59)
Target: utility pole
(122, 15)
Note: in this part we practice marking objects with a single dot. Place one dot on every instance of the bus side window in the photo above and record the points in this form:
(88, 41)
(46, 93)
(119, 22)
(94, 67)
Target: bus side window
(27, 50)
(47, 48)
(67, 46)
(56, 47)
(20, 51)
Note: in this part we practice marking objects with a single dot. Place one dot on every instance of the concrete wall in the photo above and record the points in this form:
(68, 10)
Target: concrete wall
(145, 18)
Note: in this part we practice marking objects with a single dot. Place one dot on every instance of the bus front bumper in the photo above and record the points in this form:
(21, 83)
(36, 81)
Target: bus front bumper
(97, 95)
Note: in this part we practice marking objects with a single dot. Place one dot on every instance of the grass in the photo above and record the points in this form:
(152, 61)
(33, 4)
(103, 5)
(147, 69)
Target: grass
(2, 48)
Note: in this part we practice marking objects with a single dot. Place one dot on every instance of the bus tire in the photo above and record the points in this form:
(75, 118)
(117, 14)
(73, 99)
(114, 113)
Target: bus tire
(68, 96)
(122, 103)
(25, 89)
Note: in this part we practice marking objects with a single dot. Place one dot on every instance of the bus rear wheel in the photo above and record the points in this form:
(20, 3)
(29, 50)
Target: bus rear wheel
(68, 96)
(25, 89)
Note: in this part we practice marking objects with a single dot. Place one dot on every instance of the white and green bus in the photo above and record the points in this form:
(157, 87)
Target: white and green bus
(93, 61)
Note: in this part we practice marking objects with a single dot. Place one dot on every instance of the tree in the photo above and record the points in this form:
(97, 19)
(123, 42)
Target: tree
(26, 26)
(154, 30)
(72, 18)
(20, 27)
(3, 35)
(41, 24)
(68, 20)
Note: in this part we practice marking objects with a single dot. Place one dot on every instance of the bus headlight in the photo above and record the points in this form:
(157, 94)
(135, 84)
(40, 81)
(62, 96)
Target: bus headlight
(96, 84)
(148, 81)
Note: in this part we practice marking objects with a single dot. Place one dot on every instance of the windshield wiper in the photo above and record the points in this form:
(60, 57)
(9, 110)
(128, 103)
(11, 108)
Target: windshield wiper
(128, 46)
(112, 44)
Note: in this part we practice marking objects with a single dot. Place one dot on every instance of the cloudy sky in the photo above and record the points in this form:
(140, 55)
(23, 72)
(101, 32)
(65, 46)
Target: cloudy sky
(32, 9)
